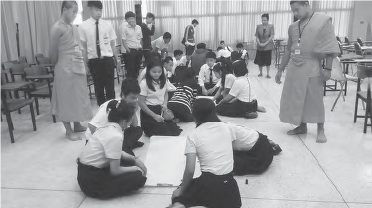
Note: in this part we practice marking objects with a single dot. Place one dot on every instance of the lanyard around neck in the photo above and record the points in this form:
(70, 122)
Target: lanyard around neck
(299, 27)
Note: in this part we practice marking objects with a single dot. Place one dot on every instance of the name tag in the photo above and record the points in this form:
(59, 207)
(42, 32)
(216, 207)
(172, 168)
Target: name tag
(297, 51)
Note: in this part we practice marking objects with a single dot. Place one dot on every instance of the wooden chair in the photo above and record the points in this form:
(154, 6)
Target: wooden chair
(347, 40)
(5, 66)
(18, 70)
(360, 41)
(10, 105)
(364, 71)
(39, 55)
(338, 39)
(22, 59)
(43, 60)
(44, 92)
(358, 49)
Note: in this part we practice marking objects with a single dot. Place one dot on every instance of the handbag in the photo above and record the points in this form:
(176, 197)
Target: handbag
(250, 107)
(167, 115)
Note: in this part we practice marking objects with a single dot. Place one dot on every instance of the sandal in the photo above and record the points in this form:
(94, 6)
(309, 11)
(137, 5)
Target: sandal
(260, 75)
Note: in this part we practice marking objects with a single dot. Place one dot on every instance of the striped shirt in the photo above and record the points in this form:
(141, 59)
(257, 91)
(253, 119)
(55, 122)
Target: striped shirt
(185, 94)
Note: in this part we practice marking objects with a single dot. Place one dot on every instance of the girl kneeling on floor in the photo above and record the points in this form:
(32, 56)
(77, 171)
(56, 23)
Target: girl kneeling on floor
(241, 100)
(211, 143)
(99, 172)
(153, 101)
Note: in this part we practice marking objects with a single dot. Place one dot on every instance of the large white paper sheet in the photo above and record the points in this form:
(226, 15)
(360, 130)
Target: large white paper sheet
(165, 161)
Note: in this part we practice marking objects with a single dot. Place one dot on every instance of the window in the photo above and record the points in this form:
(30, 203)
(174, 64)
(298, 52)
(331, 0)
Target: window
(79, 16)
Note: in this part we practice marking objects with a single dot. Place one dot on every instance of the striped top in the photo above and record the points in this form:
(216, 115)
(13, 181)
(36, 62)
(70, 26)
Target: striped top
(185, 94)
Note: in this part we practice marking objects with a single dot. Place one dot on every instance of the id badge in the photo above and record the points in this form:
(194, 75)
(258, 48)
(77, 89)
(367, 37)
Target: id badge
(77, 48)
(297, 51)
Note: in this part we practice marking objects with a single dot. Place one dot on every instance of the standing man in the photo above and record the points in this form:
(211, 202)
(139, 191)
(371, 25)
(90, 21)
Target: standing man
(189, 37)
(311, 39)
(160, 46)
(132, 42)
(98, 40)
(148, 30)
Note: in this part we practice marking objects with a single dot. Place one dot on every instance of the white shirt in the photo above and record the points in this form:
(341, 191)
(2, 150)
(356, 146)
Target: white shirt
(121, 33)
(132, 36)
(204, 75)
(160, 44)
(246, 138)
(223, 53)
(170, 86)
(244, 53)
(241, 89)
(212, 144)
(229, 81)
(153, 97)
(228, 48)
(105, 145)
(87, 31)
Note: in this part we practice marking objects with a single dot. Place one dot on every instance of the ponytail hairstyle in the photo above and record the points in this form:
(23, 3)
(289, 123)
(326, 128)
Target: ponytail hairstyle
(67, 5)
(204, 110)
(218, 68)
(119, 111)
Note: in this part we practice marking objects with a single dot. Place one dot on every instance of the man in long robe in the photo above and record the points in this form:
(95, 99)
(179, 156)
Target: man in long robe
(311, 40)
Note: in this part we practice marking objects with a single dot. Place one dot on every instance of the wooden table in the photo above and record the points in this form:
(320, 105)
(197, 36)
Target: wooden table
(356, 61)
(366, 48)
(12, 86)
(47, 76)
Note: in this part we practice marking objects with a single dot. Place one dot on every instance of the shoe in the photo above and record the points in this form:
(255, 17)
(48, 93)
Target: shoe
(268, 77)
(260, 75)
(138, 144)
(251, 115)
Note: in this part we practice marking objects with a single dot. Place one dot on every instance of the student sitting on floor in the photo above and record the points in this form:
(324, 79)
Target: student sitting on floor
(211, 143)
(253, 152)
(153, 102)
(182, 100)
(129, 93)
(178, 59)
(100, 174)
(242, 52)
(207, 78)
(241, 100)
(226, 82)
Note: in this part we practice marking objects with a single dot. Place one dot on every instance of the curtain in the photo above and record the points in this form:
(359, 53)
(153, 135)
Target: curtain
(35, 21)
(8, 33)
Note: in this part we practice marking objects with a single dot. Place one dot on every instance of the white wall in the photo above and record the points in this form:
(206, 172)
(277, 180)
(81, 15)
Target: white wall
(362, 17)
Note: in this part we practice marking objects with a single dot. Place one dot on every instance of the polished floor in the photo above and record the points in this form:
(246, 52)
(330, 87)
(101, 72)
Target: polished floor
(39, 170)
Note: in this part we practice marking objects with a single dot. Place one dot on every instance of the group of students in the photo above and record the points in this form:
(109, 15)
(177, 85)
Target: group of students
(108, 168)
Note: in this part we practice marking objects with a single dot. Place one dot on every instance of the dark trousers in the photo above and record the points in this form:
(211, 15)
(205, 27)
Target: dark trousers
(189, 49)
(235, 109)
(102, 71)
(180, 111)
(131, 137)
(133, 64)
(99, 183)
(207, 86)
(147, 55)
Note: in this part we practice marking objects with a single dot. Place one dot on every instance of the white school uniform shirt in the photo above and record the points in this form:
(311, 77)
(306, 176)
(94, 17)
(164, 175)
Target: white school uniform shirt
(229, 81)
(160, 44)
(153, 97)
(132, 35)
(170, 86)
(105, 145)
(228, 48)
(223, 53)
(204, 75)
(212, 144)
(245, 137)
(122, 26)
(241, 88)
(87, 31)
(244, 53)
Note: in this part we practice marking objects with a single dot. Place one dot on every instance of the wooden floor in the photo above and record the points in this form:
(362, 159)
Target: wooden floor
(40, 170)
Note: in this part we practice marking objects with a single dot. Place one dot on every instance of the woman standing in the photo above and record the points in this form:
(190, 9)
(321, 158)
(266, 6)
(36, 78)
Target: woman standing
(264, 37)
(70, 102)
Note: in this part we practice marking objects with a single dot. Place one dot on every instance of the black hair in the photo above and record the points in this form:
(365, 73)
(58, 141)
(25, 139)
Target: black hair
(201, 46)
(167, 35)
(129, 15)
(239, 45)
(150, 15)
(222, 41)
(204, 110)
(235, 56)
(167, 60)
(223, 71)
(219, 48)
(96, 4)
(211, 54)
(130, 85)
(177, 52)
(118, 113)
(265, 15)
(240, 69)
(194, 21)
(154, 62)
(210, 50)
(67, 5)
(300, 2)
(188, 76)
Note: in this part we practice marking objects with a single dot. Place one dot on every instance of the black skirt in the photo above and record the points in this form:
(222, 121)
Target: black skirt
(263, 58)
(151, 127)
(209, 190)
(99, 183)
(256, 160)
(235, 109)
